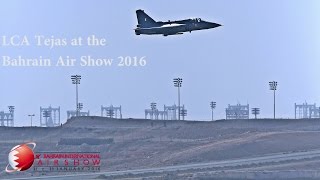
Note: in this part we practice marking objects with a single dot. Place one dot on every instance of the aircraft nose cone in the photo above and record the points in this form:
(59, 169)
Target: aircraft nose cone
(214, 25)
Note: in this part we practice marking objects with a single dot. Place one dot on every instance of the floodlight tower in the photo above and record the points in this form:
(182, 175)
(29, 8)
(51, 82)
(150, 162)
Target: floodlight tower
(177, 83)
(255, 112)
(273, 87)
(11, 110)
(153, 108)
(183, 113)
(31, 115)
(76, 80)
(213, 106)
(80, 106)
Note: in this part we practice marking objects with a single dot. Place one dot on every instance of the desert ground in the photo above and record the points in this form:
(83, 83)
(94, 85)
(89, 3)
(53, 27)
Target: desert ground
(179, 149)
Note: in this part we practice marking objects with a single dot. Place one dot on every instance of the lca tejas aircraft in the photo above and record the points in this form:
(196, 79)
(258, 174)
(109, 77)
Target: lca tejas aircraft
(146, 25)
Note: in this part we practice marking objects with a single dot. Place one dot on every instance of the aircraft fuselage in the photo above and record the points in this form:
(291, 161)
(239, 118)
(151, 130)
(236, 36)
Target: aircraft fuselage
(150, 27)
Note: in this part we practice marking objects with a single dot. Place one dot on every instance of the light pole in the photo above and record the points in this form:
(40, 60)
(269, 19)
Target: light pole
(255, 112)
(31, 115)
(79, 108)
(153, 108)
(183, 113)
(76, 80)
(273, 87)
(177, 83)
(213, 106)
(11, 110)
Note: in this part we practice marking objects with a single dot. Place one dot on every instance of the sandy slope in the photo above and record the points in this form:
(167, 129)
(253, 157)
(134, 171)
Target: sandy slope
(145, 143)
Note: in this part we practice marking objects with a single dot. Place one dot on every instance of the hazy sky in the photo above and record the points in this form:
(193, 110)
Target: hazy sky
(259, 41)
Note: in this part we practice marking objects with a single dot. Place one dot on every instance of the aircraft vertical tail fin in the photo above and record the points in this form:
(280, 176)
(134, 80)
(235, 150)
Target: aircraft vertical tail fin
(144, 20)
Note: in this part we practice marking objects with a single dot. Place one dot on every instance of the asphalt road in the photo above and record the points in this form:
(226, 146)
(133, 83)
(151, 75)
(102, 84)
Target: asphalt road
(273, 158)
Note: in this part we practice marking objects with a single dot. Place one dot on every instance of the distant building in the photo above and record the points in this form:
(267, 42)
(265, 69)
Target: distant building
(49, 117)
(7, 118)
(306, 111)
(111, 111)
(168, 113)
(237, 111)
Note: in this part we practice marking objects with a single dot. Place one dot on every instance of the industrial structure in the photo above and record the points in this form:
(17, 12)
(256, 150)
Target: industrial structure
(237, 111)
(111, 111)
(7, 118)
(49, 117)
(173, 111)
(78, 112)
(73, 113)
(154, 113)
(168, 113)
(306, 111)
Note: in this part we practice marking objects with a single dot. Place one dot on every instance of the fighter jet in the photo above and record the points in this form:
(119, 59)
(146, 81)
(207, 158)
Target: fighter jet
(146, 25)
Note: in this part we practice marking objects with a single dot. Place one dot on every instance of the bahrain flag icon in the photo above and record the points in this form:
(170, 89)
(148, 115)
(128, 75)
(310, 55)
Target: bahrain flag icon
(21, 157)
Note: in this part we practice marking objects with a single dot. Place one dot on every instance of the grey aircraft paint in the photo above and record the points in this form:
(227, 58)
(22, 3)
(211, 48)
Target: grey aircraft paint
(146, 25)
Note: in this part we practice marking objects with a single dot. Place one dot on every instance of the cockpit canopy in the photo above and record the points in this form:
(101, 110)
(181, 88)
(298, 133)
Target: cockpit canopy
(197, 19)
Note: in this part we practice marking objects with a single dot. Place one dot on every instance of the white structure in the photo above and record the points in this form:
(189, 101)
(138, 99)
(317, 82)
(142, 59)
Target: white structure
(237, 111)
(49, 117)
(73, 113)
(168, 113)
(111, 111)
(7, 118)
(306, 111)
(155, 113)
